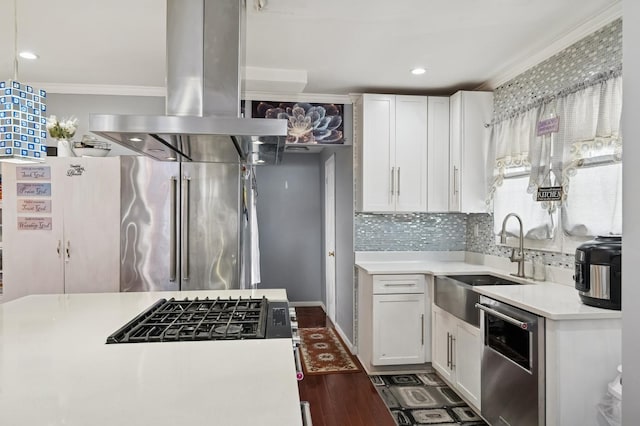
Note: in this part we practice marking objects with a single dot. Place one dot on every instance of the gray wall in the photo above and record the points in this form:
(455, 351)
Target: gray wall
(631, 224)
(344, 238)
(290, 225)
(80, 106)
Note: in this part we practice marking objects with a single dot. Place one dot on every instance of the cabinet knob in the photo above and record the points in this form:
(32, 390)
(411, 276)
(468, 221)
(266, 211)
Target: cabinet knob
(332, 253)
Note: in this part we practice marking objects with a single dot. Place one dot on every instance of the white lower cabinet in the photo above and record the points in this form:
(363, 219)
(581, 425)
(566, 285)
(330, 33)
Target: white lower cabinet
(398, 329)
(399, 320)
(457, 353)
(394, 320)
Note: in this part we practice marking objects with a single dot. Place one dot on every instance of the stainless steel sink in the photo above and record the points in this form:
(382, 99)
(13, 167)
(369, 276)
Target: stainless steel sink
(454, 294)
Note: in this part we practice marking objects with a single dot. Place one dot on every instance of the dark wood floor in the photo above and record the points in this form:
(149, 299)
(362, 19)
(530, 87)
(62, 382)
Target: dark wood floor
(340, 399)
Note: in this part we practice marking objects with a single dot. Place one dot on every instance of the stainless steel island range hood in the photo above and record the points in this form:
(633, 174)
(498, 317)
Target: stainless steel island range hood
(203, 121)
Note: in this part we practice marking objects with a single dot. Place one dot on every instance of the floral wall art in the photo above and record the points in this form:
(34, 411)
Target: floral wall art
(307, 123)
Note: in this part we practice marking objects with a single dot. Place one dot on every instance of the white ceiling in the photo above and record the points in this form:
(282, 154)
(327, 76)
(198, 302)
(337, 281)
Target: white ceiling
(344, 46)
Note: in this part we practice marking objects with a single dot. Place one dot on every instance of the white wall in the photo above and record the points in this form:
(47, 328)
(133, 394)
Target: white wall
(631, 209)
(80, 106)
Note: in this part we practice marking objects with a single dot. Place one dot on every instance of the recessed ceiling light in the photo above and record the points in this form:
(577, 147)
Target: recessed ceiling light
(135, 139)
(418, 71)
(28, 55)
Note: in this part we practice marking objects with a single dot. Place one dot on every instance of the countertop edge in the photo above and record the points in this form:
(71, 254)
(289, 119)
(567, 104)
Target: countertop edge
(439, 267)
(596, 315)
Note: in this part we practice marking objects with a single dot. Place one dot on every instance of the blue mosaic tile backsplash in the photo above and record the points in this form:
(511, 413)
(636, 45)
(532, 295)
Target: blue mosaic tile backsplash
(598, 53)
(410, 232)
(485, 243)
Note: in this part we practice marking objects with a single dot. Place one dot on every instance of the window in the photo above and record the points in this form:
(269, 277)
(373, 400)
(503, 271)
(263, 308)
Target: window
(573, 141)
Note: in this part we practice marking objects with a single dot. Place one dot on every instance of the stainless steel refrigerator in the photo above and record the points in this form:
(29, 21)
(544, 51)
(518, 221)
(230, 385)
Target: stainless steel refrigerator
(181, 225)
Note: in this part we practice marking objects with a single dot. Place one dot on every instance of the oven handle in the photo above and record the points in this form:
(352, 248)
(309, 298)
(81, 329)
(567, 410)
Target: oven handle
(507, 318)
(299, 371)
(306, 413)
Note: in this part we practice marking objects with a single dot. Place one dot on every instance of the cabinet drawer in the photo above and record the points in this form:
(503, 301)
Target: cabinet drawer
(394, 284)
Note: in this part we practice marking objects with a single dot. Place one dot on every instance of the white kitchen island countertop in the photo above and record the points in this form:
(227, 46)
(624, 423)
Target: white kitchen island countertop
(556, 301)
(55, 368)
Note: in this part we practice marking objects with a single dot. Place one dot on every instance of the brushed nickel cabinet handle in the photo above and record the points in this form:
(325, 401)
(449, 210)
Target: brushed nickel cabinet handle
(453, 342)
(398, 189)
(393, 184)
(448, 350)
(455, 180)
(422, 330)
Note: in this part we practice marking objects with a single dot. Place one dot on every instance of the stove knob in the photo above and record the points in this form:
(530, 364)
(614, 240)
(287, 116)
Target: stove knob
(292, 314)
(294, 326)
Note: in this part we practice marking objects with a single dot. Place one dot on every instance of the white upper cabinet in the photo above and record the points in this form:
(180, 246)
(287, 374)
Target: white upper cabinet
(468, 150)
(393, 131)
(438, 154)
(411, 154)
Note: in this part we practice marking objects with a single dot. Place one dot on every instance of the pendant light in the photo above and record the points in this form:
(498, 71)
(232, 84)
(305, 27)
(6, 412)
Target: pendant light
(23, 132)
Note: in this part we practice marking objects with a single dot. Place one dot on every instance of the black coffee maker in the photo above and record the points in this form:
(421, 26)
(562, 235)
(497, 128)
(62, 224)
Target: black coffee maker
(599, 272)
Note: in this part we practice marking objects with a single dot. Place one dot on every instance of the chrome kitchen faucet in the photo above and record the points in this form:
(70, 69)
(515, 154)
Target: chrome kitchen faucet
(503, 240)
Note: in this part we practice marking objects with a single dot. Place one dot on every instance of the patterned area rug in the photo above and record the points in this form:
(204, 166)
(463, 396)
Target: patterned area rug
(322, 352)
(423, 399)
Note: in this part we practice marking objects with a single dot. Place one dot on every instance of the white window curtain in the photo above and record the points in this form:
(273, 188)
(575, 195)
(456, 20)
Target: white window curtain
(510, 191)
(591, 153)
(575, 157)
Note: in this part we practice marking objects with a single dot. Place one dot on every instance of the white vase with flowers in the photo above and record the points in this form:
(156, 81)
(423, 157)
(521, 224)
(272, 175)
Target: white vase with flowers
(63, 131)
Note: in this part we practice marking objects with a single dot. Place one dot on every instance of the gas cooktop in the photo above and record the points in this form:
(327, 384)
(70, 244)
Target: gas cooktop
(207, 319)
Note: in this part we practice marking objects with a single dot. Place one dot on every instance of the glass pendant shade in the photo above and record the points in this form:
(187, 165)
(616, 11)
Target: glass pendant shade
(23, 131)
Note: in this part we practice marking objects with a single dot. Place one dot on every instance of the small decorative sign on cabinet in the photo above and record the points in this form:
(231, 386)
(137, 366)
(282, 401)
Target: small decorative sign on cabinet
(34, 224)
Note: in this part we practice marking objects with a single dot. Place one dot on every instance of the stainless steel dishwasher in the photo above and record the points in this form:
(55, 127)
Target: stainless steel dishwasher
(512, 374)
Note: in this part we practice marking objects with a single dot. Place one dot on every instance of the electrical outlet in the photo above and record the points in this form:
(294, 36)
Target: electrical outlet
(476, 230)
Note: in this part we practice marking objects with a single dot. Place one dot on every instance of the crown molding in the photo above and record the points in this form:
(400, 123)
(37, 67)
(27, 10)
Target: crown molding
(297, 97)
(101, 89)
(530, 59)
(121, 90)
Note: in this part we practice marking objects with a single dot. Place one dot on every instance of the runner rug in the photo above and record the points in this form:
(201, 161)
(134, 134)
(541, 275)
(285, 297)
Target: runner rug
(322, 352)
(423, 399)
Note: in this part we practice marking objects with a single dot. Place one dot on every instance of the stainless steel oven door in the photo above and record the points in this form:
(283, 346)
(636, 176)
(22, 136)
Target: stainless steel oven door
(512, 372)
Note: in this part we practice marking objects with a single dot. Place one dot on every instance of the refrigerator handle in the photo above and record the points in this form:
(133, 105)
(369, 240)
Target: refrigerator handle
(186, 181)
(173, 231)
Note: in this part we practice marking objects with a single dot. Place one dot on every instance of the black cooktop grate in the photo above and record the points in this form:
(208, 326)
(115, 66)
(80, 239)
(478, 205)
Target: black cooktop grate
(197, 319)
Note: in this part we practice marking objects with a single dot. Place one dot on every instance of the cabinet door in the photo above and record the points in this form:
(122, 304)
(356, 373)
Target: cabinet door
(477, 111)
(378, 155)
(469, 147)
(32, 257)
(398, 329)
(411, 154)
(441, 342)
(438, 154)
(91, 223)
(468, 354)
(455, 147)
